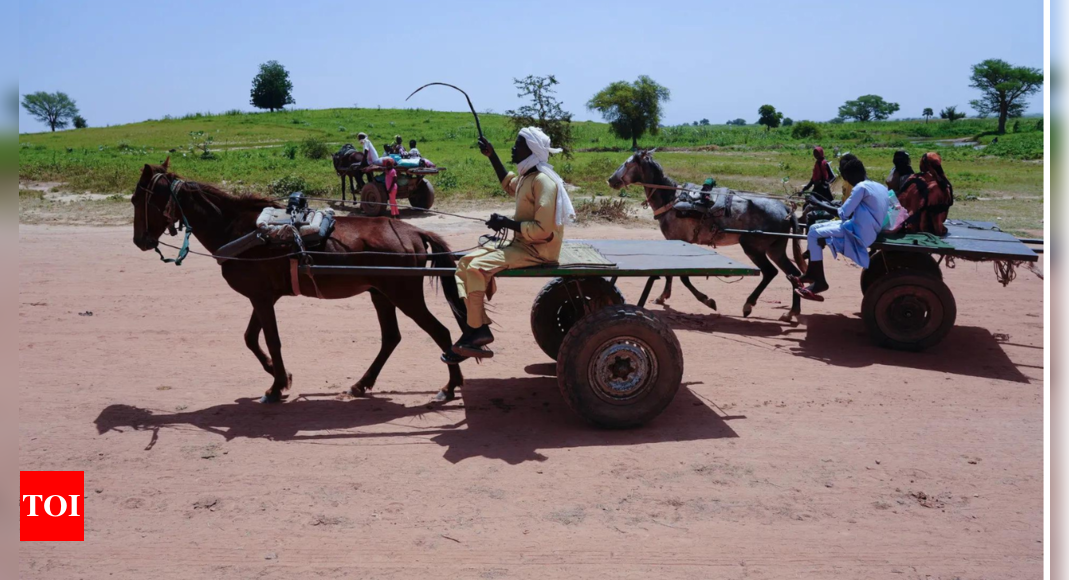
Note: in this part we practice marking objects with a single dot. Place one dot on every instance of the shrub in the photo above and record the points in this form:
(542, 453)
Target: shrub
(314, 148)
(80, 122)
(290, 151)
(605, 209)
(805, 130)
(284, 186)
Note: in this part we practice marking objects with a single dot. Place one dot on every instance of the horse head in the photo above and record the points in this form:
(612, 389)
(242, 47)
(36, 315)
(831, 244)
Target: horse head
(154, 208)
(636, 169)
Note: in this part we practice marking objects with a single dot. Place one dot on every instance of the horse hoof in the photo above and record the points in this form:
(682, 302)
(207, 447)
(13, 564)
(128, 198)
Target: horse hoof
(358, 390)
(710, 303)
(271, 398)
(660, 301)
(444, 396)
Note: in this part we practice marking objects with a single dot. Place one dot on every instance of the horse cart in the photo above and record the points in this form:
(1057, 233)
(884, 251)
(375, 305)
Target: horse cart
(411, 185)
(906, 305)
(618, 365)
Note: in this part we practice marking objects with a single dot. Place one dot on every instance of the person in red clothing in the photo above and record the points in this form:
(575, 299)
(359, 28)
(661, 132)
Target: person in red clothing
(391, 184)
(820, 182)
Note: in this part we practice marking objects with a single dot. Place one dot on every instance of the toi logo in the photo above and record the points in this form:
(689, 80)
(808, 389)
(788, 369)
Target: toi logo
(52, 506)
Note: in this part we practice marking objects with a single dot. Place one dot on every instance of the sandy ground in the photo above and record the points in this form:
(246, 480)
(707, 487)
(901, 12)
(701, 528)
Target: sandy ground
(791, 452)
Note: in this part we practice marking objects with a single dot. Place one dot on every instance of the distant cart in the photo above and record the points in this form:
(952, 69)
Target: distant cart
(412, 185)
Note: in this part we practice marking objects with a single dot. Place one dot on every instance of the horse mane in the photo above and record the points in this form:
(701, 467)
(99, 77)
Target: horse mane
(659, 178)
(236, 201)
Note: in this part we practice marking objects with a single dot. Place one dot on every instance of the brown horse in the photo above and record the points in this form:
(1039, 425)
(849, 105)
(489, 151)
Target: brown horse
(349, 163)
(162, 200)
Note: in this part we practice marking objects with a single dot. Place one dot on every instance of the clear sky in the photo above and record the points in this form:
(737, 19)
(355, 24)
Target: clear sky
(126, 61)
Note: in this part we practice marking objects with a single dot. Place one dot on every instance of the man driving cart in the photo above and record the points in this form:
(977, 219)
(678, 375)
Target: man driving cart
(542, 211)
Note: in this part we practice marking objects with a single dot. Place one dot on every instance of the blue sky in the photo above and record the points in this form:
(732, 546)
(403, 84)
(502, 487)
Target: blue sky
(126, 61)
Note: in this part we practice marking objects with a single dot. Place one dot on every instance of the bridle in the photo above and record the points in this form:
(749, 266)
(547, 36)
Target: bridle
(647, 188)
(174, 186)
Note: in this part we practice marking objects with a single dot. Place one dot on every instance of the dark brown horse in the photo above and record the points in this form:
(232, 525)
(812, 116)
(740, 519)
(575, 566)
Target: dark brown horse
(162, 200)
(349, 163)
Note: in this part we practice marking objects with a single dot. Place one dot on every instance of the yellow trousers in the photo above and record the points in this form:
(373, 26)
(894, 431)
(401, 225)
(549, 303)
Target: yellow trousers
(475, 276)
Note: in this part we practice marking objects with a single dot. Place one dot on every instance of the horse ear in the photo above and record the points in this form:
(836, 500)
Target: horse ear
(651, 151)
(166, 163)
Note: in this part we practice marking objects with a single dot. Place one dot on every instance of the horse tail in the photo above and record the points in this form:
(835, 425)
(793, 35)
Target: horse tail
(796, 245)
(442, 257)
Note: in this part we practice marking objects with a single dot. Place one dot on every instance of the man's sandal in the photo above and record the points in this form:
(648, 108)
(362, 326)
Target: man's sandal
(809, 294)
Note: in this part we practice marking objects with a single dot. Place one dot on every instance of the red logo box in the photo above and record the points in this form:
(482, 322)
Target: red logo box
(53, 506)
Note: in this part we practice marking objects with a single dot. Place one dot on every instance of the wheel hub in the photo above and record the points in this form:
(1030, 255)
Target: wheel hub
(623, 368)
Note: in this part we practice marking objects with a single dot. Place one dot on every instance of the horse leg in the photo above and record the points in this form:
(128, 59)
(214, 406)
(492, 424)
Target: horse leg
(265, 311)
(779, 256)
(414, 305)
(343, 187)
(698, 293)
(666, 293)
(391, 337)
(768, 272)
(252, 340)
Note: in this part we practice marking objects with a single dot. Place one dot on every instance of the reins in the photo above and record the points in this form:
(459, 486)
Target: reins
(173, 187)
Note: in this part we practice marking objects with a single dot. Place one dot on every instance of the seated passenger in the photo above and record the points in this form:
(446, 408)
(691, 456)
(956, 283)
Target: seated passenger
(862, 218)
(927, 196)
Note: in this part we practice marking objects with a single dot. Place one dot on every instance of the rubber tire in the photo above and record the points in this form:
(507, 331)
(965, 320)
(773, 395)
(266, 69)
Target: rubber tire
(894, 281)
(372, 193)
(879, 265)
(423, 196)
(550, 304)
(582, 344)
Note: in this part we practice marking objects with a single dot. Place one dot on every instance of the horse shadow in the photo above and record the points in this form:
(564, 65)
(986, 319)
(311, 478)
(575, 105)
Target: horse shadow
(511, 420)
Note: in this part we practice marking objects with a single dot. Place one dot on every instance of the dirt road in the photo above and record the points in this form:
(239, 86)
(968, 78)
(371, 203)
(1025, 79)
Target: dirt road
(792, 452)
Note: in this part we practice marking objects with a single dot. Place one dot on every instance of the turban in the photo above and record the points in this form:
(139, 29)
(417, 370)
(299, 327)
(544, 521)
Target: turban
(541, 148)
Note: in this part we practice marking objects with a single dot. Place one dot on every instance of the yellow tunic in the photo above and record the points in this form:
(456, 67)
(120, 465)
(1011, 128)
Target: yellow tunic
(538, 241)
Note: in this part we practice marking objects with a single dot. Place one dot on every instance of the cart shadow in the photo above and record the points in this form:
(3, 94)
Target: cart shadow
(507, 419)
(843, 340)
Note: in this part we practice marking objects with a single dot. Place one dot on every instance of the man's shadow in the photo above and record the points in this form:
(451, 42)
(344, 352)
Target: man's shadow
(507, 419)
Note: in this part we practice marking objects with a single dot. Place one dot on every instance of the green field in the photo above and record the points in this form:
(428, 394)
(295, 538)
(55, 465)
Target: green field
(266, 152)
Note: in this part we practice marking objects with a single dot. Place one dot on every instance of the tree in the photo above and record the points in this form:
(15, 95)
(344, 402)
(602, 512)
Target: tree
(769, 117)
(271, 87)
(632, 109)
(805, 130)
(867, 108)
(739, 122)
(927, 114)
(951, 114)
(54, 109)
(703, 122)
(544, 112)
(1004, 86)
(787, 122)
(80, 122)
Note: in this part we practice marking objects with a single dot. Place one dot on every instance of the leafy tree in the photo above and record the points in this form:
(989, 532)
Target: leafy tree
(1004, 87)
(54, 109)
(544, 112)
(787, 122)
(769, 117)
(703, 122)
(867, 108)
(632, 109)
(951, 114)
(927, 114)
(805, 130)
(271, 87)
(739, 122)
(80, 122)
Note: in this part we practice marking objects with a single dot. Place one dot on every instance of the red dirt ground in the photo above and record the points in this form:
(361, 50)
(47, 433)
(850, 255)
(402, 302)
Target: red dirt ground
(791, 452)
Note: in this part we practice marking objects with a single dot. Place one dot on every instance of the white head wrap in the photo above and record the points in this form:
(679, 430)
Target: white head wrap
(541, 149)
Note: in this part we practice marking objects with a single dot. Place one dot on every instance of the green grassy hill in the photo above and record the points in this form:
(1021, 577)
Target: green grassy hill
(272, 152)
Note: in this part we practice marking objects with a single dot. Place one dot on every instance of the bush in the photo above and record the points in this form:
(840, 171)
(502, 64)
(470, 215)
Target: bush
(80, 122)
(290, 151)
(805, 130)
(606, 210)
(284, 186)
(313, 148)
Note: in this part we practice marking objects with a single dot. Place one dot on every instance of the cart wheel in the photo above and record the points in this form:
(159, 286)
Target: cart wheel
(891, 261)
(619, 367)
(371, 199)
(554, 312)
(423, 196)
(908, 310)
